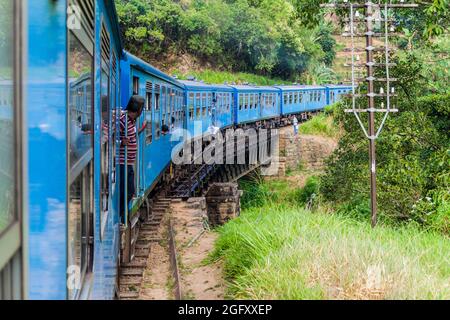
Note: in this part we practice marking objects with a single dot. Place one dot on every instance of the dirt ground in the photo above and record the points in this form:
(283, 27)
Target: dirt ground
(194, 243)
(157, 276)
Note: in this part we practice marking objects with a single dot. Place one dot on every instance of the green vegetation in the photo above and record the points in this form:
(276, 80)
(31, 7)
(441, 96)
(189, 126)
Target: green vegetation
(277, 250)
(264, 37)
(413, 150)
(321, 125)
(296, 254)
(220, 77)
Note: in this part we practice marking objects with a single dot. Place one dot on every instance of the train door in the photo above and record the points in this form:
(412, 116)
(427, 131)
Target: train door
(105, 145)
(12, 284)
(113, 135)
(80, 113)
(137, 172)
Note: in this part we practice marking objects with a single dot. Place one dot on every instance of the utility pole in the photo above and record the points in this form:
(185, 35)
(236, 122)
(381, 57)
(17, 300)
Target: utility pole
(368, 21)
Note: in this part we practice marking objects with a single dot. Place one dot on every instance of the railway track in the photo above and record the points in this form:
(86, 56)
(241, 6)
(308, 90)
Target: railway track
(131, 274)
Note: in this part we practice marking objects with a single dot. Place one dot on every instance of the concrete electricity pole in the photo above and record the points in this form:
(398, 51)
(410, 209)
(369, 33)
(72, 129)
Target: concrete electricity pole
(372, 15)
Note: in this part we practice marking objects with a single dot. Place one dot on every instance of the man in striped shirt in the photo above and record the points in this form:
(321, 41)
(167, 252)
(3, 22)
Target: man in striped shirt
(129, 141)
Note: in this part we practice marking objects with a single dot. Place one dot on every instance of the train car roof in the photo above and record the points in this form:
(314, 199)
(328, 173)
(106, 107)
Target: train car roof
(299, 87)
(338, 86)
(140, 64)
(197, 85)
(253, 88)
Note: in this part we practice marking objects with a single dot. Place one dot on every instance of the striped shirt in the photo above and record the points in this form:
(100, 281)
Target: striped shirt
(132, 142)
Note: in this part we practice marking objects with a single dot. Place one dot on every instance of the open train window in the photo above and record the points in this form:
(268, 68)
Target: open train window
(148, 114)
(105, 153)
(191, 106)
(135, 85)
(209, 103)
(80, 115)
(157, 111)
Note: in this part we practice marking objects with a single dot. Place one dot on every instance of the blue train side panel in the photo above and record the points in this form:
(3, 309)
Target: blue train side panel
(164, 101)
(106, 231)
(46, 113)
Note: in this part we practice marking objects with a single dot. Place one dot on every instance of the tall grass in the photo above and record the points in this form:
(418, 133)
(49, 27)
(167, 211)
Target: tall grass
(321, 125)
(279, 250)
(282, 253)
(220, 77)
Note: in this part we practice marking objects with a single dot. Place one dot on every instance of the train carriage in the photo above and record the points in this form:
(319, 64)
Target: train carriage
(300, 99)
(164, 106)
(72, 84)
(207, 105)
(253, 103)
(336, 92)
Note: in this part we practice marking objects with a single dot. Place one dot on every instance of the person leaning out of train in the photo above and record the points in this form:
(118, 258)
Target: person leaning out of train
(129, 142)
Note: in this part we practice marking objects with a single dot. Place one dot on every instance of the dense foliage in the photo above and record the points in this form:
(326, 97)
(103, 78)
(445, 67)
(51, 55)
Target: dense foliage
(262, 36)
(413, 151)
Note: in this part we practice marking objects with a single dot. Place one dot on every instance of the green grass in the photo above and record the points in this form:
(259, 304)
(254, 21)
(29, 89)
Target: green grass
(321, 125)
(268, 193)
(277, 249)
(291, 253)
(220, 77)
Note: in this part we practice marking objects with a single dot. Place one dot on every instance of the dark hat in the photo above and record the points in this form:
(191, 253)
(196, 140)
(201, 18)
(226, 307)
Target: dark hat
(135, 104)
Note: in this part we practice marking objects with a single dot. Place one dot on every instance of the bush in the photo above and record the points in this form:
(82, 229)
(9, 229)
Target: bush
(310, 191)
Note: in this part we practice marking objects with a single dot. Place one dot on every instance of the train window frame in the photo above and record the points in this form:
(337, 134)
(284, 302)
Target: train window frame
(105, 151)
(11, 239)
(157, 92)
(191, 105)
(136, 81)
(83, 37)
(149, 109)
(209, 103)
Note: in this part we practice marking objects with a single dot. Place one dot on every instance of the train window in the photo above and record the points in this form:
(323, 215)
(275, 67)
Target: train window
(164, 102)
(80, 210)
(106, 122)
(157, 111)
(7, 159)
(198, 105)
(135, 85)
(301, 97)
(113, 134)
(148, 117)
(80, 117)
(171, 112)
(209, 103)
(191, 106)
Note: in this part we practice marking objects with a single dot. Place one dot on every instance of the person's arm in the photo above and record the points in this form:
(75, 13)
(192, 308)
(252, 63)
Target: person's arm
(144, 125)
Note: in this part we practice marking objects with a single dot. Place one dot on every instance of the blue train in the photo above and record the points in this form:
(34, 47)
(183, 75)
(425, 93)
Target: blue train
(64, 78)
